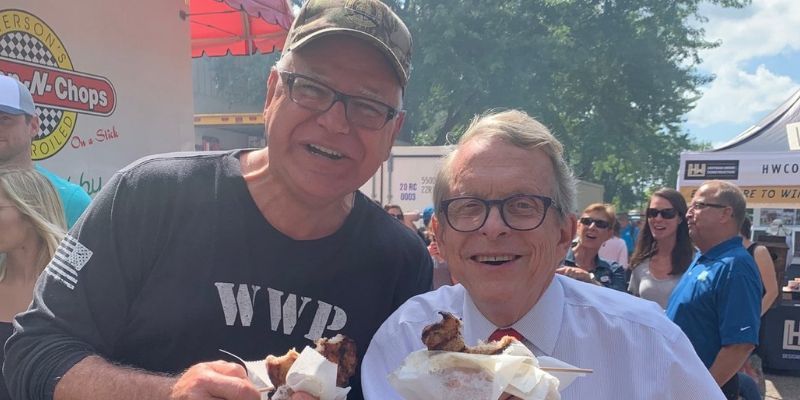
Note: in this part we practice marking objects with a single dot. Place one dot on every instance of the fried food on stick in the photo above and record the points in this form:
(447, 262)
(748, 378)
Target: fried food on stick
(278, 367)
(446, 336)
(340, 350)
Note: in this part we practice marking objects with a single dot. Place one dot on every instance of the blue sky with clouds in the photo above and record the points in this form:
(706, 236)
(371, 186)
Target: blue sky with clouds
(757, 67)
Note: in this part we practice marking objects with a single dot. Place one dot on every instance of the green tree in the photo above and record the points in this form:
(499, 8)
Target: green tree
(610, 78)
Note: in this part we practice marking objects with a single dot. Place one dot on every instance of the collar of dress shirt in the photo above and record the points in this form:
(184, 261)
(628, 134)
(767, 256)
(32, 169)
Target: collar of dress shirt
(722, 247)
(540, 326)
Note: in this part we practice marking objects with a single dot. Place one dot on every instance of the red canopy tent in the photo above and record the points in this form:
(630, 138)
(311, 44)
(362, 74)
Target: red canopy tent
(238, 27)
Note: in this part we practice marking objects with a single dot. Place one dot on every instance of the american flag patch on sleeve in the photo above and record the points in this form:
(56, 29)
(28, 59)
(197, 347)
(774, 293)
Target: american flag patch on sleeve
(71, 256)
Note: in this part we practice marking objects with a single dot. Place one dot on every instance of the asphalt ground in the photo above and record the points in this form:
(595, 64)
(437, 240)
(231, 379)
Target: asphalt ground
(783, 387)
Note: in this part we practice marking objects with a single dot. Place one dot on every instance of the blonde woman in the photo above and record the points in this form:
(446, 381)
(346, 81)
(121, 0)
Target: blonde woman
(31, 226)
(582, 261)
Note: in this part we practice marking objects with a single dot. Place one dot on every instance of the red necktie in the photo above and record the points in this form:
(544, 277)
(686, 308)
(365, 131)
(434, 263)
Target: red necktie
(498, 334)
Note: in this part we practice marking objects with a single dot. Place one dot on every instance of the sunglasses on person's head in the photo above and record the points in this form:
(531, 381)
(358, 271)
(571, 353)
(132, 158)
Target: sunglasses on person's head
(666, 213)
(597, 222)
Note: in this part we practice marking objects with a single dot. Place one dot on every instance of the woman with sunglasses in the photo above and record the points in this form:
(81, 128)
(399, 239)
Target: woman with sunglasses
(663, 250)
(582, 262)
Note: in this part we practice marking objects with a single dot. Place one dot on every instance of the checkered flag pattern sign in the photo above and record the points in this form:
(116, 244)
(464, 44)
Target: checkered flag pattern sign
(71, 256)
(23, 46)
(48, 120)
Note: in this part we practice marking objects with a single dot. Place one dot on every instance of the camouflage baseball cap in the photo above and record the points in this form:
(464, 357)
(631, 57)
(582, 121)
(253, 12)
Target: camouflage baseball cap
(370, 20)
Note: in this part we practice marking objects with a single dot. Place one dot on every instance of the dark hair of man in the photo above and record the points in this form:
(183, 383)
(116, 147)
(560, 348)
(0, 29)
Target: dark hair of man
(647, 247)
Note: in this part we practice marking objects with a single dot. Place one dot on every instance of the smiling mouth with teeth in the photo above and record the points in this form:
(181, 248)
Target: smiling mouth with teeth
(325, 152)
(494, 260)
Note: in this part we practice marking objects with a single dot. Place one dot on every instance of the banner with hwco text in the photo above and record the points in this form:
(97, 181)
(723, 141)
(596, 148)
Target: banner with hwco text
(767, 179)
(112, 81)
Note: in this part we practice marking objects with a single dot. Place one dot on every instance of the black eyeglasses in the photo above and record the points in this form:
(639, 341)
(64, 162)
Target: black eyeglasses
(314, 95)
(699, 205)
(599, 223)
(521, 212)
(666, 213)
(398, 216)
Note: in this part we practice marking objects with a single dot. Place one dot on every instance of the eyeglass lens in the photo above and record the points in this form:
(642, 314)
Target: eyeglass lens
(666, 213)
(597, 222)
(521, 212)
(701, 205)
(360, 111)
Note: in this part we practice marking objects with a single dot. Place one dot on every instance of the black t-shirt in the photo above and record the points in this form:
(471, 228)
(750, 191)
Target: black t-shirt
(173, 261)
(5, 331)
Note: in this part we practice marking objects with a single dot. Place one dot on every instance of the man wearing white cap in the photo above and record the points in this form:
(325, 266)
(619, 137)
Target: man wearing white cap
(18, 126)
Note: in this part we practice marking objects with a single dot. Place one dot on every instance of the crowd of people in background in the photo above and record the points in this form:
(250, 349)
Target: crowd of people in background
(140, 295)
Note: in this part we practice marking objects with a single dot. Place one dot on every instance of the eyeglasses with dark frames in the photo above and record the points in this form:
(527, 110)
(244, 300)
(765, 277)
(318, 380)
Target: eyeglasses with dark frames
(666, 213)
(314, 95)
(521, 212)
(699, 205)
(599, 223)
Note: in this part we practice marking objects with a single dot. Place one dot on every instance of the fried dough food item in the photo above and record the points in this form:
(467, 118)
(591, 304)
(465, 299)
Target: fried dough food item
(278, 367)
(462, 382)
(446, 336)
(340, 350)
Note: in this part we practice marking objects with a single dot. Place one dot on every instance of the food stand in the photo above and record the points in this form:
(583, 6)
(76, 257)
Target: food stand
(112, 80)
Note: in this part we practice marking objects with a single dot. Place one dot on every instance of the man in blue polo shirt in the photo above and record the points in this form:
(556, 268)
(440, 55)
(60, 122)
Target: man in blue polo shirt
(717, 302)
(18, 126)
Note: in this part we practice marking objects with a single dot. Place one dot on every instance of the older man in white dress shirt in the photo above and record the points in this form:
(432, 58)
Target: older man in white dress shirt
(504, 199)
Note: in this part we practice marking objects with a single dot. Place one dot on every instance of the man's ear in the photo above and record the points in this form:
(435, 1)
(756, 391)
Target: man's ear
(397, 126)
(33, 127)
(438, 230)
(728, 213)
(272, 83)
(567, 231)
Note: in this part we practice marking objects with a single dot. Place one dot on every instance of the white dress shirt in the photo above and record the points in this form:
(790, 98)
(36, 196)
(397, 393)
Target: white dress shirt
(635, 351)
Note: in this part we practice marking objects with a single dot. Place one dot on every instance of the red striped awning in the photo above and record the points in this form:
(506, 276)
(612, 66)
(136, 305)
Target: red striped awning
(238, 27)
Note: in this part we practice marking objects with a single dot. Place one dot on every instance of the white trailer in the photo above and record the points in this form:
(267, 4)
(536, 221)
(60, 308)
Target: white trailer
(408, 176)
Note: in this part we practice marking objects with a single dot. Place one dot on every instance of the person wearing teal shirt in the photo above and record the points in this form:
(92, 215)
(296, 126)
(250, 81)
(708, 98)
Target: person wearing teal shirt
(73, 197)
(18, 126)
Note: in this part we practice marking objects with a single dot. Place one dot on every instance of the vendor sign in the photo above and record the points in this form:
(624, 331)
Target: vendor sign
(767, 179)
(112, 81)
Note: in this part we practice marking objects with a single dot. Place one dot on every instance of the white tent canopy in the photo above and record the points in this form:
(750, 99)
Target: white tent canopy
(764, 160)
(778, 131)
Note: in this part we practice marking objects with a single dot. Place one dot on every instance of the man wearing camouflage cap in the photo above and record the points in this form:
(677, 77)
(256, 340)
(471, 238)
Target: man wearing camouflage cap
(249, 251)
